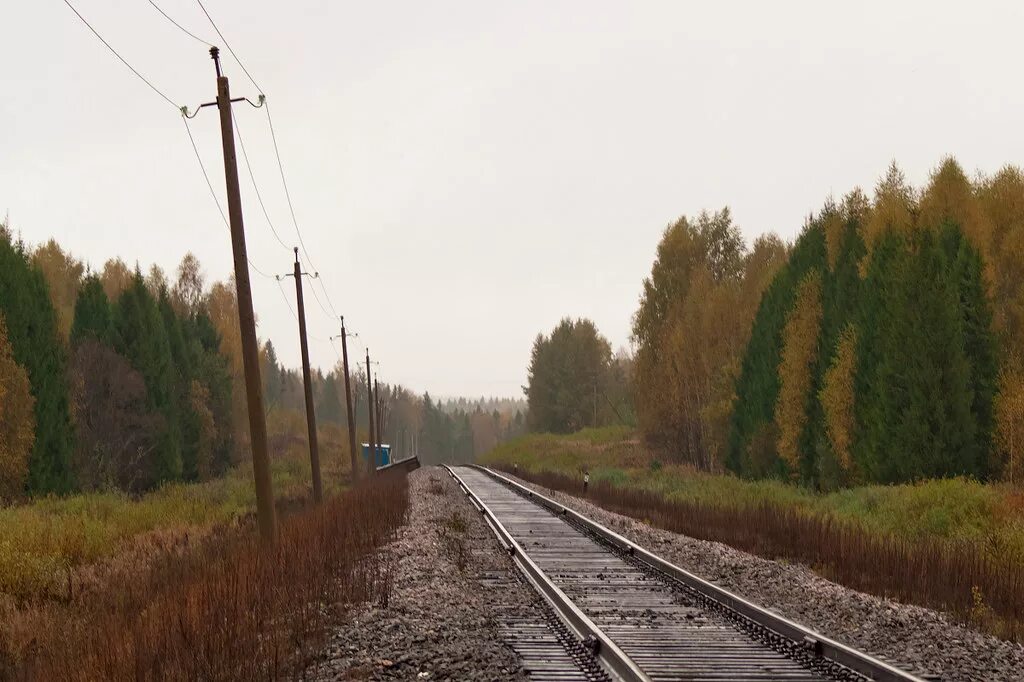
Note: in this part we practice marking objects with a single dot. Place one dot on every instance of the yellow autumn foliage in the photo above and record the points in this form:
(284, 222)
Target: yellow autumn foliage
(837, 397)
(799, 349)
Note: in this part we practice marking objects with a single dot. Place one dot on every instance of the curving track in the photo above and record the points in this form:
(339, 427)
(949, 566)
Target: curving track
(644, 618)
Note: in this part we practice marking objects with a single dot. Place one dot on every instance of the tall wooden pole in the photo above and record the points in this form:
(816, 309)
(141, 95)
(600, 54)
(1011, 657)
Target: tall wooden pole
(307, 382)
(348, 403)
(371, 461)
(265, 514)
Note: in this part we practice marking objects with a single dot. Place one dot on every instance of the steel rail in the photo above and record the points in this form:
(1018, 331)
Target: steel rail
(407, 464)
(862, 663)
(615, 661)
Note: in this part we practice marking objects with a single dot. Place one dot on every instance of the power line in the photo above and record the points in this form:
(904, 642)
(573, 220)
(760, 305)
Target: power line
(202, 167)
(185, 30)
(286, 301)
(318, 302)
(258, 271)
(214, 24)
(213, 193)
(280, 165)
(284, 183)
(123, 60)
(245, 156)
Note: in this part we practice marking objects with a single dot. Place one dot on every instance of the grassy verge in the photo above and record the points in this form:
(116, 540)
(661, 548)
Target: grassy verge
(955, 545)
(229, 608)
(45, 544)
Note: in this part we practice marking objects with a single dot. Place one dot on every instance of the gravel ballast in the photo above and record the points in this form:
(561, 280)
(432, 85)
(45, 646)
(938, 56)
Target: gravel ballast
(453, 587)
(921, 640)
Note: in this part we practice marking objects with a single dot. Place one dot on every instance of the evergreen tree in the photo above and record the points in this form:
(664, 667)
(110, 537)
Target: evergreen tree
(28, 311)
(141, 337)
(92, 319)
(966, 272)
(216, 374)
(567, 376)
(184, 355)
(914, 397)
(751, 444)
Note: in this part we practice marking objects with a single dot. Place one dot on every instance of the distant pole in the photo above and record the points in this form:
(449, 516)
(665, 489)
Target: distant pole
(380, 422)
(265, 514)
(348, 403)
(307, 381)
(371, 461)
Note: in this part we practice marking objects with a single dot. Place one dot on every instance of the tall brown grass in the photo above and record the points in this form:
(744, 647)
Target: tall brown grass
(228, 609)
(975, 583)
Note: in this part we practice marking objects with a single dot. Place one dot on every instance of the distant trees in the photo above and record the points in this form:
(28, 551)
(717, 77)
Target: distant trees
(568, 378)
(122, 380)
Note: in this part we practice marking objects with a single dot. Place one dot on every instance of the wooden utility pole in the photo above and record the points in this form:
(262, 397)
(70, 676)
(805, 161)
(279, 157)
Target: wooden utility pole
(371, 461)
(265, 515)
(314, 447)
(348, 403)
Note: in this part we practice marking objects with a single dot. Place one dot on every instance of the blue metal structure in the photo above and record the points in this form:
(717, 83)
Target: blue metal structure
(383, 457)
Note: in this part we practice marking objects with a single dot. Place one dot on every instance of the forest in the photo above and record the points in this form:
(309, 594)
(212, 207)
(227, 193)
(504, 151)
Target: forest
(883, 345)
(119, 380)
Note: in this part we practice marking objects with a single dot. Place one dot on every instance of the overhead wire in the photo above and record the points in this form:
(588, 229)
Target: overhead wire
(202, 167)
(228, 45)
(183, 29)
(259, 197)
(213, 193)
(122, 59)
(280, 165)
(312, 289)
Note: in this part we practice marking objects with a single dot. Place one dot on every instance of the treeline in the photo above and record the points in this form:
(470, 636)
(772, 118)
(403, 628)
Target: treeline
(122, 380)
(884, 345)
(108, 380)
(457, 429)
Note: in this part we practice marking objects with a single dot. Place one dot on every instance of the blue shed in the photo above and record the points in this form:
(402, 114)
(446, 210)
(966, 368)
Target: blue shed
(383, 454)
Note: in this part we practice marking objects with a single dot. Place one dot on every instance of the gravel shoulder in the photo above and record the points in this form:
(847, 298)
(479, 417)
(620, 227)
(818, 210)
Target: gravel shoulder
(921, 640)
(452, 587)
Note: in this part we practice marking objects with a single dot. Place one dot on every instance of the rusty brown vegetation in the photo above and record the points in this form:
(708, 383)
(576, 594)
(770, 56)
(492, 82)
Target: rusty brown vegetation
(219, 609)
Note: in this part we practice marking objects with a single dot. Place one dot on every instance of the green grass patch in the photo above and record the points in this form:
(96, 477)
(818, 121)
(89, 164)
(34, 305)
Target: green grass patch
(41, 541)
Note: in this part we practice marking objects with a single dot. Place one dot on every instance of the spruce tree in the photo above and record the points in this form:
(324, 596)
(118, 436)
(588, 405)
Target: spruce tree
(980, 347)
(32, 331)
(215, 372)
(183, 357)
(141, 337)
(913, 401)
(757, 388)
(92, 313)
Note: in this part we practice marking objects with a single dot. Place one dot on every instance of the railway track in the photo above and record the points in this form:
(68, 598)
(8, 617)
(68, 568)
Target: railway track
(626, 614)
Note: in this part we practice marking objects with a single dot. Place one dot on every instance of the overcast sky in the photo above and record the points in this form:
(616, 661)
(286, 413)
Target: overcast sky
(482, 169)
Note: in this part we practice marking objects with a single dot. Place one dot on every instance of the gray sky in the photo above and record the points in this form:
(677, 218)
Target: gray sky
(487, 167)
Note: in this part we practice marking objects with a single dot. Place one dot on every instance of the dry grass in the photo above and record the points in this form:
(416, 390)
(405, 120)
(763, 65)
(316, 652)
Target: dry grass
(221, 608)
(977, 584)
